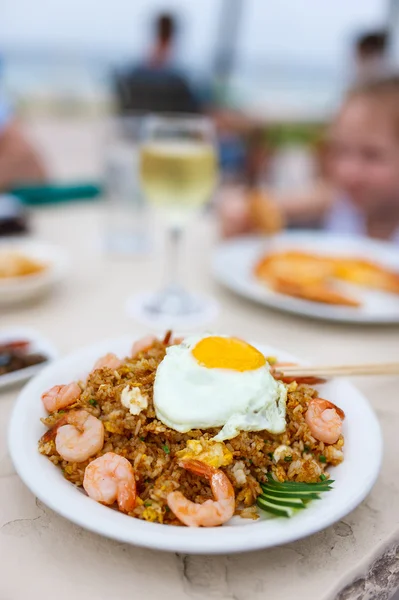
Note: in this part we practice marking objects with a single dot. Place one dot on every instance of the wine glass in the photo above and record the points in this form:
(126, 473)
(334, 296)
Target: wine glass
(178, 171)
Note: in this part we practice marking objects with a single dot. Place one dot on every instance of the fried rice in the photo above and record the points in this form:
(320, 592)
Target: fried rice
(152, 448)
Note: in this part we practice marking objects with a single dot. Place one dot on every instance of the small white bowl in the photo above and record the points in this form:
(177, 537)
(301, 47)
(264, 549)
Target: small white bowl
(28, 287)
(37, 344)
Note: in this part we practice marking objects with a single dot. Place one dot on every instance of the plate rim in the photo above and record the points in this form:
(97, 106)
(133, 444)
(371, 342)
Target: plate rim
(154, 535)
(298, 306)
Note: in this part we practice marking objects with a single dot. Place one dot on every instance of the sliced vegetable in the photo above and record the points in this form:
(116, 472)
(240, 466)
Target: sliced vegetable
(303, 495)
(296, 484)
(281, 511)
(292, 502)
(283, 499)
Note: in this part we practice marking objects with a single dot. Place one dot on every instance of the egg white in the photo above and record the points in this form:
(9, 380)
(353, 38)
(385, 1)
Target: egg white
(189, 396)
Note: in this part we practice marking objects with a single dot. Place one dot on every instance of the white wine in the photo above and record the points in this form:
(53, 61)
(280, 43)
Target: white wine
(178, 176)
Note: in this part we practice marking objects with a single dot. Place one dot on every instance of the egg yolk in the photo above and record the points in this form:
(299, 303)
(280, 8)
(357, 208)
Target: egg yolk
(227, 353)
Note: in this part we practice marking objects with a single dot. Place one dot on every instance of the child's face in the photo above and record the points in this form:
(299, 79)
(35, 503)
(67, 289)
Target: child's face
(364, 158)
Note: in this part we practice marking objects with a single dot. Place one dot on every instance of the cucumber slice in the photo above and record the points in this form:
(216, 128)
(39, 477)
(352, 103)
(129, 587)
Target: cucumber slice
(300, 488)
(290, 495)
(272, 508)
(296, 484)
(292, 502)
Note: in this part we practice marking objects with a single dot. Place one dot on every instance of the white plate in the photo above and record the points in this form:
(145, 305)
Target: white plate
(22, 289)
(234, 262)
(354, 478)
(37, 344)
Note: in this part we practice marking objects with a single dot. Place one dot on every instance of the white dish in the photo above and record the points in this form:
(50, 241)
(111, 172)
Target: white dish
(354, 477)
(37, 344)
(22, 289)
(234, 261)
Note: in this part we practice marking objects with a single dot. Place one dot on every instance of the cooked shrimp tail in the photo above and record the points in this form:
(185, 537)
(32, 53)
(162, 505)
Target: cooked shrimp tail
(78, 436)
(61, 396)
(167, 338)
(212, 512)
(110, 360)
(324, 420)
(142, 345)
(110, 478)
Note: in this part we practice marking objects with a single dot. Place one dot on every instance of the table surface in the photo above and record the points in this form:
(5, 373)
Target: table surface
(356, 558)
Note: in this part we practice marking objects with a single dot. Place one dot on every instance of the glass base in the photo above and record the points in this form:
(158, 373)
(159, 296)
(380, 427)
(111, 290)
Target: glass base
(173, 308)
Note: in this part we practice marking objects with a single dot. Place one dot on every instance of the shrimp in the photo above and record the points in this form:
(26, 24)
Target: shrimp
(61, 396)
(212, 512)
(110, 478)
(110, 360)
(78, 435)
(142, 345)
(324, 420)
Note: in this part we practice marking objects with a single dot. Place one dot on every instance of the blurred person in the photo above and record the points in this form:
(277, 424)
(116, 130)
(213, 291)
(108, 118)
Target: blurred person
(371, 56)
(19, 162)
(161, 52)
(359, 193)
(156, 84)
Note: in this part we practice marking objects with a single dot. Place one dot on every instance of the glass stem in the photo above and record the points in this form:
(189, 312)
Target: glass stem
(175, 235)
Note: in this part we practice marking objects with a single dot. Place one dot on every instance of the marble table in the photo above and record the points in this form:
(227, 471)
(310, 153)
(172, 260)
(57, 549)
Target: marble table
(44, 555)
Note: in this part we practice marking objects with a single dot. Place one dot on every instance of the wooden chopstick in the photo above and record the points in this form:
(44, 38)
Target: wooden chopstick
(338, 370)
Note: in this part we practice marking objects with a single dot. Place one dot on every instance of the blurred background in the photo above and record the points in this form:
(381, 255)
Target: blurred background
(288, 60)
(283, 65)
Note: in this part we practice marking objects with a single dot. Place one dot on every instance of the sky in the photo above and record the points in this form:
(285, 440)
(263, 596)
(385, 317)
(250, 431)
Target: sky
(313, 32)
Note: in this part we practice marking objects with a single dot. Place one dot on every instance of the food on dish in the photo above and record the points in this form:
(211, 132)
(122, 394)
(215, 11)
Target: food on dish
(61, 396)
(283, 499)
(17, 355)
(367, 273)
(314, 277)
(324, 420)
(211, 512)
(110, 478)
(188, 431)
(16, 264)
(78, 435)
(229, 385)
(109, 360)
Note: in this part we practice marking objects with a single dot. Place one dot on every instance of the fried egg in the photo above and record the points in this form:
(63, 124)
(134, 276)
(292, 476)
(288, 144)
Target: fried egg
(218, 381)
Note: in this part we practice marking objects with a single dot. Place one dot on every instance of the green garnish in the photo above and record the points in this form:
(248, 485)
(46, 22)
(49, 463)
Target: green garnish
(322, 458)
(147, 503)
(306, 448)
(287, 458)
(141, 439)
(166, 449)
(323, 477)
(270, 455)
(283, 499)
(250, 461)
(93, 402)
(61, 412)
